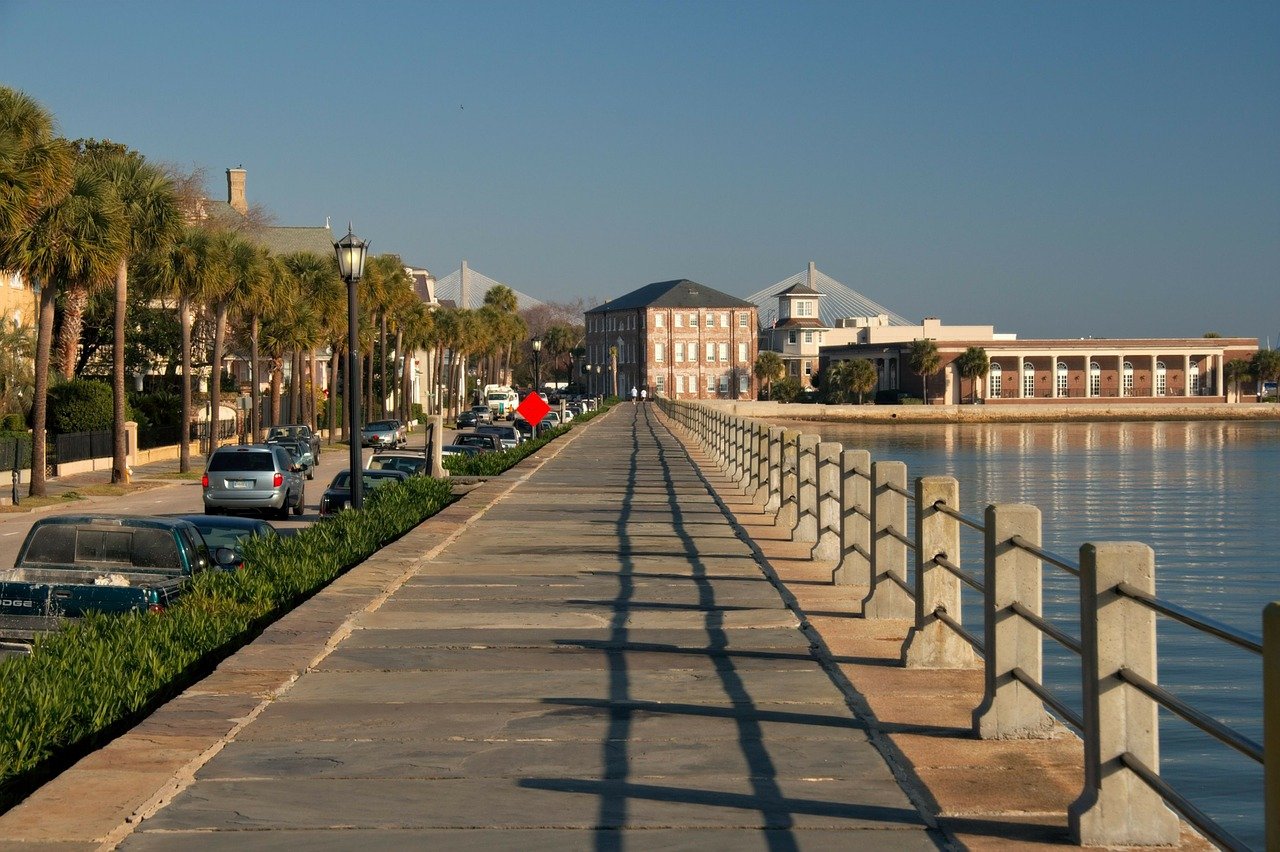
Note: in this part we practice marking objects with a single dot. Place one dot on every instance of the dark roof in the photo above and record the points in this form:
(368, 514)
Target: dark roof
(672, 294)
(799, 322)
(799, 290)
(282, 241)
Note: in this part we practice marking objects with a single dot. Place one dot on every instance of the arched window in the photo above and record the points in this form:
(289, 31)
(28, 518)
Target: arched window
(1126, 382)
(1161, 376)
(1028, 380)
(1193, 374)
(996, 377)
(1095, 379)
(1062, 378)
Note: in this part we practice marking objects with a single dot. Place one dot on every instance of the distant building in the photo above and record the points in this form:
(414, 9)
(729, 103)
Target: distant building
(1051, 371)
(676, 339)
(18, 300)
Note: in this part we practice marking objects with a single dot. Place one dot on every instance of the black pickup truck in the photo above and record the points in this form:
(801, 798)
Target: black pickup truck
(73, 564)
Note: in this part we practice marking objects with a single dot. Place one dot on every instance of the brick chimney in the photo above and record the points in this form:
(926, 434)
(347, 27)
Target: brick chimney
(235, 190)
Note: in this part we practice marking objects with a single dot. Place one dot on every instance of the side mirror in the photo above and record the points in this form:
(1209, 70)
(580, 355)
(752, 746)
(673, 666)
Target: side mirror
(296, 468)
(225, 556)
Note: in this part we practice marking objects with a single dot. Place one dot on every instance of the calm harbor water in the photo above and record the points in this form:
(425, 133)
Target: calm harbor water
(1204, 495)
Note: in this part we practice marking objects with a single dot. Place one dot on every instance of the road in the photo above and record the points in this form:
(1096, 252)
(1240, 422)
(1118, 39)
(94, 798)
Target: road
(182, 497)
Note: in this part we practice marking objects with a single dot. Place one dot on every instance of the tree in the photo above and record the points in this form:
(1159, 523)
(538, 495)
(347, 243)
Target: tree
(863, 378)
(924, 361)
(80, 237)
(152, 221)
(768, 369)
(974, 364)
(17, 349)
(1235, 370)
(36, 168)
(1265, 366)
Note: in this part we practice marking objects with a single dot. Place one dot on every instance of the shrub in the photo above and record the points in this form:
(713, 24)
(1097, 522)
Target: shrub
(80, 405)
(416, 412)
(104, 669)
(156, 408)
(13, 423)
(11, 441)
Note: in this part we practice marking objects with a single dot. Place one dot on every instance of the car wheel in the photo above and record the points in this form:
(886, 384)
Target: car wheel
(297, 510)
(282, 514)
(311, 474)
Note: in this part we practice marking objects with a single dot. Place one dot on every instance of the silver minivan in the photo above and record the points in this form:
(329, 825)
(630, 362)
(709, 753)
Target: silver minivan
(254, 476)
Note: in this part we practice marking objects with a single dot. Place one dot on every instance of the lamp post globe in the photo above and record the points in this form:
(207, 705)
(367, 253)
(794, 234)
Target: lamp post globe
(537, 349)
(351, 251)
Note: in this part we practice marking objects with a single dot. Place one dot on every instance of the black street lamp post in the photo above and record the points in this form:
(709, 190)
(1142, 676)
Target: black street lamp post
(537, 349)
(351, 253)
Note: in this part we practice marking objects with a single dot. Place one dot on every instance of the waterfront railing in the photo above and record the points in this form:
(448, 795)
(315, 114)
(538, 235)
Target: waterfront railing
(854, 512)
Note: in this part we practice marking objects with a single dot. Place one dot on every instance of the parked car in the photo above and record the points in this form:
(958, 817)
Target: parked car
(546, 424)
(459, 450)
(300, 453)
(414, 464)
(254, 476)
(72, 564)
(338, 494)
(483, 413)
(297, 432)
(484, 443)
(466, 419)
(225, 537)
(509, 435)
(383, 433)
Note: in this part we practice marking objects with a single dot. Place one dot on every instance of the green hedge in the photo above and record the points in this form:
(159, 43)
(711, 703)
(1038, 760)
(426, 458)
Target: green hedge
(11, 442)
(80, 405)
(492, 464)
(103, 670)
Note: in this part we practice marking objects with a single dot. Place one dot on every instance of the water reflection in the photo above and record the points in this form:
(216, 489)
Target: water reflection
(1204, 495)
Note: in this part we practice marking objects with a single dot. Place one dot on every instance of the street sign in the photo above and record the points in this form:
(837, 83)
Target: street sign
(533, 409)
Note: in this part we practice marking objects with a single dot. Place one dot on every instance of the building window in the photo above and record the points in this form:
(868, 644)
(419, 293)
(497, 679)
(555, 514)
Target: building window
(808, 337)
(1062, 378)
(791, 337)
(660, 384)
(693, 320)
(724, 385)
(804, 308)
(711, 384)
(657, 320)
(679, 318)
(711, 352)
(724, 352)
(679, 384)
(996, 376)
(724, 320)
(659, 353)
(1028, 380)
(679, 353)
(808, 368)
(744, 383)
(742, 353)
(1194, 376)
(1161, 379)
(743, 320)
(1126, 388)
(711, 320)
(1095, 379)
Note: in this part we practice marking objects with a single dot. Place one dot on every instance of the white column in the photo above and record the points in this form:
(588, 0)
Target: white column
(1053, 376)
(1186, 375)
(1022, 384)
(1088, 375)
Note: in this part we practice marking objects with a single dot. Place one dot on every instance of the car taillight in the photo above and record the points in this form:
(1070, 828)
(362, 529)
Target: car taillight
(204, 481)
(277, 480)
(155, 607)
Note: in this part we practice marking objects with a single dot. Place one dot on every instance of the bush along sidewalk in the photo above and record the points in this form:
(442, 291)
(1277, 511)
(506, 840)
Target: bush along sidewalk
(492, 464)
(85, 683)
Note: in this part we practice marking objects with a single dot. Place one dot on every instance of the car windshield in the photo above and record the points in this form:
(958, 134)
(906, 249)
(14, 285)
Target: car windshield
(381, 426)
(254, 460)
(225, 536)
(370, 479)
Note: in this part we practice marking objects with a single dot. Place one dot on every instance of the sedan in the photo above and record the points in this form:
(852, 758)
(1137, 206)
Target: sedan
(382, 433)
(301, 454)
(297, 432)
(338, 494)
(466, 419)
(225, 537)
(414, 464)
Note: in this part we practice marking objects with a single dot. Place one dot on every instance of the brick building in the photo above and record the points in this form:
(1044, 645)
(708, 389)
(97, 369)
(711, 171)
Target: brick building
(676, 339)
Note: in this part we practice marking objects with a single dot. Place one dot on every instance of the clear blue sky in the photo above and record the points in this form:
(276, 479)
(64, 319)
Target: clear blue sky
(1055, 168)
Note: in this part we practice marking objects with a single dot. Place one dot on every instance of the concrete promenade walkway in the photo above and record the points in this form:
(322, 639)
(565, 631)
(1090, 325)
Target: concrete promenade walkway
(581, 654)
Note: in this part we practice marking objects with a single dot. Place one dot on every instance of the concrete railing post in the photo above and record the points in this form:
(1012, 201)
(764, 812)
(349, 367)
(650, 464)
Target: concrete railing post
(828, 475)
(855, 520)
(806, 528)
(761, 496)
(739, 451)
(435, 441)
(1116, 808)
(788, 511)
(773, 482)
(1010, 575)
(1271, 721)
(889, 596)
(932, 643)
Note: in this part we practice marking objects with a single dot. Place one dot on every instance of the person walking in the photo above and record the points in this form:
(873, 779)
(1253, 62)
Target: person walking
(634, 393)
(644, 394)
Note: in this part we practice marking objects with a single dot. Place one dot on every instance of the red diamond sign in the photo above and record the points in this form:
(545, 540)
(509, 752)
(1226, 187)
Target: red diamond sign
(533, 409)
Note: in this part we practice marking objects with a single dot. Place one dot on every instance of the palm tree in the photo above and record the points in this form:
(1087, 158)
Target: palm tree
(236, 281)
(36, 167)
(502, 299)
(768, 369)
(924, 361)
(17, 348)
(1233, 371)
(863, 377)
(152, 221)
(974, 364)
(79, 238)
(320, 286)
(1265, 367)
